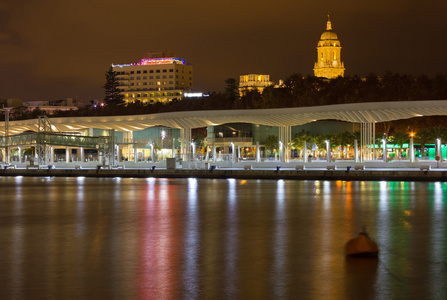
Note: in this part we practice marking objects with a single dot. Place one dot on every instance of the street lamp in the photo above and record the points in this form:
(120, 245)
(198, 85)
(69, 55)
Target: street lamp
(152, 152)
(280, 152)
(193, 150)
(163, 135)
(6, 135)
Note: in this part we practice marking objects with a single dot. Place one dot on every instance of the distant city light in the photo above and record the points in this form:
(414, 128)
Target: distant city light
(194, 95)
(161, 61)
(155, 61)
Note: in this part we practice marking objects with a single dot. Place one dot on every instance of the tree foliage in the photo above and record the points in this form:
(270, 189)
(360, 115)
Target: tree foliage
(298, 91)
(112, 92)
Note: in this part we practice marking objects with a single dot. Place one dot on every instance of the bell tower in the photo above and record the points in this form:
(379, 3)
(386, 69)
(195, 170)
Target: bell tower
(329, 64)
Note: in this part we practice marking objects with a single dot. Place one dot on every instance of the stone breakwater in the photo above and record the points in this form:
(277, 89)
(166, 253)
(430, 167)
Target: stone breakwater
(376, 175)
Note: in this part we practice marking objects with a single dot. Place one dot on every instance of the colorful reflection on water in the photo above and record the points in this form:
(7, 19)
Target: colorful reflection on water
(97, 238)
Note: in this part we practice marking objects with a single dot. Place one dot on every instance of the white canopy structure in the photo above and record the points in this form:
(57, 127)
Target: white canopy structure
(357, 113)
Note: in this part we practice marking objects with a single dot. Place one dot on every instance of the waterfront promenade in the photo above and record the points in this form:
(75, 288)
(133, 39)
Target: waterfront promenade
(340, 170)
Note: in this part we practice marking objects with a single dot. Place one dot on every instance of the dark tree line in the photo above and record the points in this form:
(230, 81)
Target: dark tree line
(298, 91)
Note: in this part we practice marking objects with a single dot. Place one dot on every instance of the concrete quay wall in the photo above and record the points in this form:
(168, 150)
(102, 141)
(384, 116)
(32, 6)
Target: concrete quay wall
(338, 174)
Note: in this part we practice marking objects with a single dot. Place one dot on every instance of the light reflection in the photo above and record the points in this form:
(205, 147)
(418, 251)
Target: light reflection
(280, 245)
(150, 179)
(80, 207)
(231, 240)
(327, 195)
(191, 243)
(438, 233)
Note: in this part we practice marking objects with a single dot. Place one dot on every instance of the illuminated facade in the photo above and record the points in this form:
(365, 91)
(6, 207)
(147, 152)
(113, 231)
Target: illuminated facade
(329, 64)
(253, 81)
(154, 79)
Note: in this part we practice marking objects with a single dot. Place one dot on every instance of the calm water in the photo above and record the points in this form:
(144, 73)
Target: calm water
(89, 238)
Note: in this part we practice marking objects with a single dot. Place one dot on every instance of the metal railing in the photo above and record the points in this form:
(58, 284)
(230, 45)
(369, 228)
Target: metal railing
(55, 139)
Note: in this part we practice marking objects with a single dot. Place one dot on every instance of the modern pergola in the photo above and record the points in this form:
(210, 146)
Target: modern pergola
(367, 114)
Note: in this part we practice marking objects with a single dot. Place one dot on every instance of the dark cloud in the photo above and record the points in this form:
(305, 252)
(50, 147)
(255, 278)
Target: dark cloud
(51, 49)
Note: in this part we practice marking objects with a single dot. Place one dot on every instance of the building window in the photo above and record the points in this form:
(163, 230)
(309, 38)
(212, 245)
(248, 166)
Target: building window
(157, 71)
(144, 77)
(131, 78)
(164, 76)
(151, 71)
(138, 72)
(131, 72)
(171, 70)
(171, 82)
(157, 77)
(144, 83)
(171, 76)
(164, 70)
(138, 78)
(145, 71)
(151, 77)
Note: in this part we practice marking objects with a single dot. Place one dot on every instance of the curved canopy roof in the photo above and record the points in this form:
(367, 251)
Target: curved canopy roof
(357, 113)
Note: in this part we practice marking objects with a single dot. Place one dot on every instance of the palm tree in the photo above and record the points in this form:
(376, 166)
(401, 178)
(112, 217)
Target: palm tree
(343, 140)
(200, 143)
(423, 137)
(399, 138)
(271, 142)
(298, 140)
(437, 132)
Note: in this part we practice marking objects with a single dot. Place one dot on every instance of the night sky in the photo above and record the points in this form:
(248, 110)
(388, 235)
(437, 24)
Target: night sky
(57, 49)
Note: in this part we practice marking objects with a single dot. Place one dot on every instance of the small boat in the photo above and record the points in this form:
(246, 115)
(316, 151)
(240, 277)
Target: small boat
(362, 245)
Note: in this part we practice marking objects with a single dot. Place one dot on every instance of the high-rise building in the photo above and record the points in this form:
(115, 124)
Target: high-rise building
(159, 78)
(253, 82)
(329, 64)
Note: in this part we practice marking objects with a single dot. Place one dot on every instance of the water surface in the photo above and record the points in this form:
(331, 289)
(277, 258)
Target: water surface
(98, 238)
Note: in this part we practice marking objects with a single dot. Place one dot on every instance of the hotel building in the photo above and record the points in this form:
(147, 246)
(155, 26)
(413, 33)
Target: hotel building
(159, 78)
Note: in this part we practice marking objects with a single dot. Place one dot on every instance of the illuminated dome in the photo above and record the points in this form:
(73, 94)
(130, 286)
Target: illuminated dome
(329, 35)
(329, 64)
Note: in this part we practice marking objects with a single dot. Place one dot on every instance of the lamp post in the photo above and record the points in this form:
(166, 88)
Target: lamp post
(163, 135)
(6, 135)
(152, 152)
(193, 150)
(281, 155)
(384, 150)
(328, 151)
(411, 146)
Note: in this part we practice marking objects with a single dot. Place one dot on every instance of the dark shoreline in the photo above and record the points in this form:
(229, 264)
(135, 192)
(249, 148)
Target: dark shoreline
(353, 175)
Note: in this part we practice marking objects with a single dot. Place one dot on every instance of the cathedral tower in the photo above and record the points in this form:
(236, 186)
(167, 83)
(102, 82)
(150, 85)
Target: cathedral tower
(329, 64)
